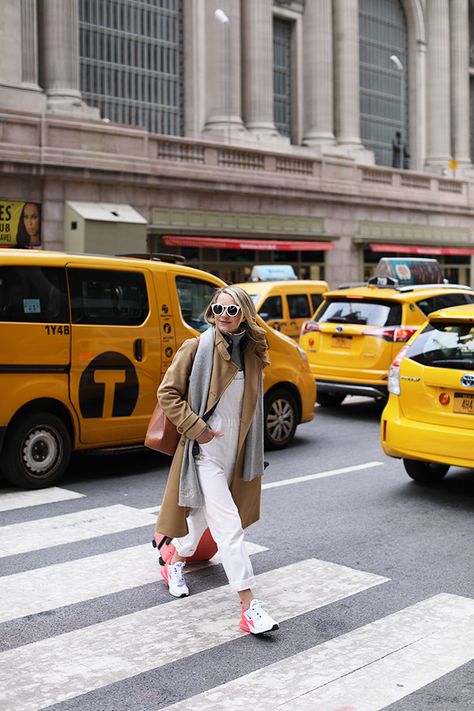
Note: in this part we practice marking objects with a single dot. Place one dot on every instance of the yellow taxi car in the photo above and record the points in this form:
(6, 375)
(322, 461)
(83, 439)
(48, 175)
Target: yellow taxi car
(429, 418)
(357, 332)
(85, 342)
(285, 305)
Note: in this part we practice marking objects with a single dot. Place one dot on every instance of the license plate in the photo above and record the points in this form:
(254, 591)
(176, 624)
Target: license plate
(341, 341)
(464, 403)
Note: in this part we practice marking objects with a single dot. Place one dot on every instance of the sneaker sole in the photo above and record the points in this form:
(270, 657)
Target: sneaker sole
(257, 634)
(172, 593)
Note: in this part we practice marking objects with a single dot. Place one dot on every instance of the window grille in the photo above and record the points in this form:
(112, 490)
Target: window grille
(382, 32)
(131, 62)
(282, 31)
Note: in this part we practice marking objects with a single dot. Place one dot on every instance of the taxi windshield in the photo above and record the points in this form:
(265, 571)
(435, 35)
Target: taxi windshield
(445, 346)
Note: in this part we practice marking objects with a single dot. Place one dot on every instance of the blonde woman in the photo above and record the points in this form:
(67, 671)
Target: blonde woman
(212, 392)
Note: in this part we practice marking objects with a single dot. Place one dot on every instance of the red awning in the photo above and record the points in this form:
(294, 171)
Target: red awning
(420, 249)
(230, 243)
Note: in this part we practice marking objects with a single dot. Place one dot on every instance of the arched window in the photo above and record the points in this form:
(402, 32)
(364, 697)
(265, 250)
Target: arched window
(382, 33)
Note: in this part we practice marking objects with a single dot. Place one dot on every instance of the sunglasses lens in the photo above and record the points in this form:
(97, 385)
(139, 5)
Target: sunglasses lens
(232, 310)
(217, 309)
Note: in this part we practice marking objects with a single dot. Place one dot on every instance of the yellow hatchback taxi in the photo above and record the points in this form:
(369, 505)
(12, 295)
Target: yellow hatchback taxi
(285, 305)
(429, 417)
(85, 343)
(357, 332)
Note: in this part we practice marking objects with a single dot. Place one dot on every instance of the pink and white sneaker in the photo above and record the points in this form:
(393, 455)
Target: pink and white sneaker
(173, 576)
(255, 620)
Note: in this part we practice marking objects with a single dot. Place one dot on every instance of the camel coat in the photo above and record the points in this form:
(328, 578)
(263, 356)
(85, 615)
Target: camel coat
(175, 402)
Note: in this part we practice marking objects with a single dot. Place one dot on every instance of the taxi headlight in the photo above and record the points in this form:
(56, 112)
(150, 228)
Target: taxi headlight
(304, 357)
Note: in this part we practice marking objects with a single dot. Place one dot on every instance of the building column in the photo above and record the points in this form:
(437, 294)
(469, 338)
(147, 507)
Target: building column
(459, 15)
(59, 57)
(318, 74)
(19, 87)
(438, 148)
(257, 58)
(223, 72)
(346, 31)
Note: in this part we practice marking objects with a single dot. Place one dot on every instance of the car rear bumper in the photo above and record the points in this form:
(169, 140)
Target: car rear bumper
(349, 388)
(409, 439)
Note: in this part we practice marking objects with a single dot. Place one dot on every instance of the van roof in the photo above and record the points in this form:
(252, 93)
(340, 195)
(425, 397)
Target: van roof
(52, 258)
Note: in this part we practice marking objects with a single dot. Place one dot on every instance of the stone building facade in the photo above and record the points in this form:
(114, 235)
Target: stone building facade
(247, 131)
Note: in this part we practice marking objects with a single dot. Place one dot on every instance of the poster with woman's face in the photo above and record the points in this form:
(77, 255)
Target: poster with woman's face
(20, 224)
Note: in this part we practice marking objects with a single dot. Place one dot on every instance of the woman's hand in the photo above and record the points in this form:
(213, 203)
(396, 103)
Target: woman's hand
(207, 435)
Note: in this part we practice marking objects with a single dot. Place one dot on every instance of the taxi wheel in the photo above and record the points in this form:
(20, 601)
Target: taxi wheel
(425, 472)
(37, 451)
(280, 418)
(330, 399)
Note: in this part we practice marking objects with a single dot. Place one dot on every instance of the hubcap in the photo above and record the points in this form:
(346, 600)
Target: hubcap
(41, 449)
(280, 420)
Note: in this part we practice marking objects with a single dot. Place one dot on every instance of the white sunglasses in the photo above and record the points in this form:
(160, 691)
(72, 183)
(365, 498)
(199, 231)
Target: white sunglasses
(230, 309)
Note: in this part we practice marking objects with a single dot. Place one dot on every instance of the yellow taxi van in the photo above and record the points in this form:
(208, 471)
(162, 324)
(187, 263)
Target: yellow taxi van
(85, 343)
(429, 418)
(357, 331)
(287, 303)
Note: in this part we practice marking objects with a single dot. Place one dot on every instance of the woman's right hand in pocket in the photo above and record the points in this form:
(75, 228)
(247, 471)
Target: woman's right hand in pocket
(208, 435)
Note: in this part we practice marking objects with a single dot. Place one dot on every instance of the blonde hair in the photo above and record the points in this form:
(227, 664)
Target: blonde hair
(255, 333)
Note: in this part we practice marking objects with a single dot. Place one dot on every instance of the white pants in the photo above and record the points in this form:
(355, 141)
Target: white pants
(215, 466)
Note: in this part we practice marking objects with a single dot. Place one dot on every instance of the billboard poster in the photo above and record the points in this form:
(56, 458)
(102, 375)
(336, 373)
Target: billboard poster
(20, 224)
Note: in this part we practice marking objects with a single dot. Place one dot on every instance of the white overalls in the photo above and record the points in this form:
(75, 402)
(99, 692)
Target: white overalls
(215, 466)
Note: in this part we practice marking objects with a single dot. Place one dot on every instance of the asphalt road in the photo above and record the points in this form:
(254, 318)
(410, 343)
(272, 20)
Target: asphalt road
(386, 544)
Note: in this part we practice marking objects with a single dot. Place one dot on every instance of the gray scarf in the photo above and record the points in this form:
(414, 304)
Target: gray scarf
(190, 493)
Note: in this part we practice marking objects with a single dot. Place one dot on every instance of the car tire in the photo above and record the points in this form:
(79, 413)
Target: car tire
(280, 418)
(330, 399)
(425, 472)
(36, 451)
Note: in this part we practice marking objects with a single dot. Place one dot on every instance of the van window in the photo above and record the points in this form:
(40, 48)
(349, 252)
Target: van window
(316, 299)
(370, 313)
(271, 308)
(107, 297)
(444, 346)
(444, 301)
(194, 296)
(298, 306)
(33, 295)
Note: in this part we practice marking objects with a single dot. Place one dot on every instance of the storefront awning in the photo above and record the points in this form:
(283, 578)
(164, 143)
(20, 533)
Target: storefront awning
(261, 245)
(419, 249)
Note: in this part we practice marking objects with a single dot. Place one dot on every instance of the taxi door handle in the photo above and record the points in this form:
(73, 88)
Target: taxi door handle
(138, 349)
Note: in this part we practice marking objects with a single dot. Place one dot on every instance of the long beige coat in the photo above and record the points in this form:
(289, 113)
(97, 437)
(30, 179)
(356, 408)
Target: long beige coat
(175, 401)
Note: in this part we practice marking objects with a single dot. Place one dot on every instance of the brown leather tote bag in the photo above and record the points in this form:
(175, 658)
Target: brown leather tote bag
(161, 434)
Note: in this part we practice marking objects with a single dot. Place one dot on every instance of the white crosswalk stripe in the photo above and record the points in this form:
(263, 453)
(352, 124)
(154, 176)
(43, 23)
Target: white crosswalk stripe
(79, 526)
(55, 669)
(11, 499)
(368, 669)
(79, 580)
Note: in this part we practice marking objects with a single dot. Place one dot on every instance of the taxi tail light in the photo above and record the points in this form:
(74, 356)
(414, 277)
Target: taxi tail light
(394, 372)
(394, 334)
(309, 327)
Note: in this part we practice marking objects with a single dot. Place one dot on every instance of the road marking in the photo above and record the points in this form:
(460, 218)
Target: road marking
(364, 670)
(11, 499)
(321, 475)
(152, 509)
(55, 669)
(62, 584)
(46, 532)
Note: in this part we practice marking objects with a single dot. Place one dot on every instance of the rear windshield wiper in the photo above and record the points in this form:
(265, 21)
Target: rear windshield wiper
(452, 363)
